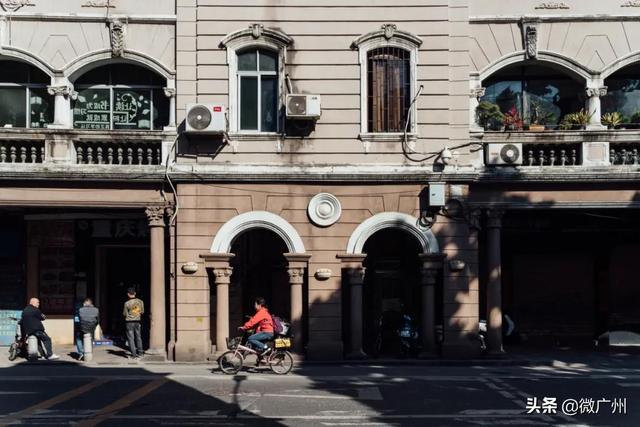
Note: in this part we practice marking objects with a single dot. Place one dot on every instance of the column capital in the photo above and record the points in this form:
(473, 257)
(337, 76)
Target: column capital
(297, 260)
(296, 275)
(356, 275)
(62, 90)
(216, 260)
(433, 262)
(351, 260)
(477, 92)
(223, 275)
(475, 219)
(169, 92)
(155, 216)
(494, 217)
(597, 91)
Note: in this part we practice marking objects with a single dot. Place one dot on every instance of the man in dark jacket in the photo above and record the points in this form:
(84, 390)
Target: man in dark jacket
(31, 322)
(89, 317)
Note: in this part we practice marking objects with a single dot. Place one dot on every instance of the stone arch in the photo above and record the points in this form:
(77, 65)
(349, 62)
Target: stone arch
(620, 63)
(396, 220)
(14, 53)
(554, 59)
(257, 219)
(95, 59)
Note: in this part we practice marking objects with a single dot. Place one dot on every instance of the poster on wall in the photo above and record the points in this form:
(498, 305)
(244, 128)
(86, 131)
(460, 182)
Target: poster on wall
(57, 280)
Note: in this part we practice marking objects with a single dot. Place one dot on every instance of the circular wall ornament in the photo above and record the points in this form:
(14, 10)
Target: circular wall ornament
(324, 209)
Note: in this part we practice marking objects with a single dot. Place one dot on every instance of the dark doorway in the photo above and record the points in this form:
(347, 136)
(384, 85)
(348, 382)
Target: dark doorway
(123, 267)
(259, 269)
(391, 288)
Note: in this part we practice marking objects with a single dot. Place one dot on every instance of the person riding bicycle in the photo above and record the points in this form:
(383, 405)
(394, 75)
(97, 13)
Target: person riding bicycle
(263, 325)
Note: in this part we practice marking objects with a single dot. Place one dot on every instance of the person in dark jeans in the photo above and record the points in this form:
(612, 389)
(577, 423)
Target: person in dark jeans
(31, 322)
(133, 311)
(89, 316)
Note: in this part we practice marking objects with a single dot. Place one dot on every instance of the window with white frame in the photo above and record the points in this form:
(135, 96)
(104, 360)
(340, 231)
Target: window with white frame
(24, 101)
(388, 63)
(120, 97)
(257, 90)
(256, 57)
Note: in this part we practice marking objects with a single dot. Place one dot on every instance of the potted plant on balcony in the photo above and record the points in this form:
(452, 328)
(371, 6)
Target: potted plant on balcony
(539, 117)
(512, 120)
(577, 120)
(612, 120)
(634, 120)
(489, 116)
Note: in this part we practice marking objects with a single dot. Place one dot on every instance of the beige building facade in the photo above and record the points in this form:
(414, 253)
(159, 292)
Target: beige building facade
(469, 159)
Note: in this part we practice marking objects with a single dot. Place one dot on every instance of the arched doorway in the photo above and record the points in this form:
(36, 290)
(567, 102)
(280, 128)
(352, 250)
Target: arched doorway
(259, 269)
(391, 289)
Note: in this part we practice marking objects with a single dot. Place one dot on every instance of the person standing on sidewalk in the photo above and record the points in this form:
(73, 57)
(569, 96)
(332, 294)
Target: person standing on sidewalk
(89, 317)
(133, 311)
(32, 319)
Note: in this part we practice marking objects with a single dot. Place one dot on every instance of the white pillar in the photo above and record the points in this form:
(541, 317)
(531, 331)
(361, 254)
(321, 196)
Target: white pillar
(594, 107)
(87, 342)
(63, 93)
(170, 93)
(475, 93)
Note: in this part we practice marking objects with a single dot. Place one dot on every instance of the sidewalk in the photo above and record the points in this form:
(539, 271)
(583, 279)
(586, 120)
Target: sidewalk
(112, 355)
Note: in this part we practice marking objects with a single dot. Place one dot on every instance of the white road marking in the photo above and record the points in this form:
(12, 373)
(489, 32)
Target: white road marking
(308, 396)
(628, 384)
(17, 392)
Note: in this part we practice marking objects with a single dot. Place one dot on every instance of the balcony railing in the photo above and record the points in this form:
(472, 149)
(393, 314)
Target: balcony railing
(83, 147)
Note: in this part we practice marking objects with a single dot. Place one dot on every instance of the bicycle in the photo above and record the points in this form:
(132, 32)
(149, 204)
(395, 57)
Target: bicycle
(278, 358)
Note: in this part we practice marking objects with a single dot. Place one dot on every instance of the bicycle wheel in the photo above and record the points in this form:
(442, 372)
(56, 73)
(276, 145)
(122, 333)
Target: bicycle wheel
(281, 362)
(13, 352)
(231, 362)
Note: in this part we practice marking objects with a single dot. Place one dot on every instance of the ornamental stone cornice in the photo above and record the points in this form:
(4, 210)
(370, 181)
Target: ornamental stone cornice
(257, 32)
(388, 32)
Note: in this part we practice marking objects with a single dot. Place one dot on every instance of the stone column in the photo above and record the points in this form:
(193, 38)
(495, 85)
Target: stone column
(475, 93)
(431, 265)
(297, 265)
(594, 106)
(352, 266)
(494, 284)
(63, 94)
(222, 271)
(170, 93)
(158, 330)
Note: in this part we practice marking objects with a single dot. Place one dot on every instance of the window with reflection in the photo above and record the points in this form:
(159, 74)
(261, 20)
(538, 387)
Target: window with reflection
(534, 94)
(623, 97)
(258, 90)
(120, 97)
(24, 100)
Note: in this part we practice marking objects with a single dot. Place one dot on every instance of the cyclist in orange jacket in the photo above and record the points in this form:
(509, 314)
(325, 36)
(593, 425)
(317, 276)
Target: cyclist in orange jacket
(263, 325)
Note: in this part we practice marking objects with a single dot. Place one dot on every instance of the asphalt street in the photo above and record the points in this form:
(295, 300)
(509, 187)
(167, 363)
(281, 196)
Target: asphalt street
(328, 395)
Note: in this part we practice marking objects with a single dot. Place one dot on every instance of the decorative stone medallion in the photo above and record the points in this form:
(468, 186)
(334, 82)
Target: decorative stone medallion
(324, 209)
(13, 5)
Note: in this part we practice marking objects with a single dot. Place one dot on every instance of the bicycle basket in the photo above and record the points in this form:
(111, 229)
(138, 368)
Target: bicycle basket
(233, 343)
(282, 343)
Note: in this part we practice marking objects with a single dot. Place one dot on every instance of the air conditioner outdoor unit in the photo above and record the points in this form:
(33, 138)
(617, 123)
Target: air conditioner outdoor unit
(503, 154)
(303, 106)
(206, 118)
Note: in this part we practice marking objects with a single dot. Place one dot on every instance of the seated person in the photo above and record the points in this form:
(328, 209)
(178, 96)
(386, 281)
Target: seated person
(263, 325)
(31, 322)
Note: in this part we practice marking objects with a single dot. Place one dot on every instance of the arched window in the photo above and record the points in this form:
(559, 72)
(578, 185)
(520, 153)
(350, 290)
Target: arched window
(24, 101)
(257, 90)
(534, 94)
(388, 89)
(623, 95)
(120, 97)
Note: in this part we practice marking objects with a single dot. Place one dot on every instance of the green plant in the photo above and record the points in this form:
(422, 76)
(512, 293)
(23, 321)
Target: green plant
(575, 120)
(612, 120)
(489, 116)
(540, 116)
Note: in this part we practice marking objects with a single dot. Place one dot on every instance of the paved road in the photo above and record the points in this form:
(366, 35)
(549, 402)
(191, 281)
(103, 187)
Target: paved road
(343, 395)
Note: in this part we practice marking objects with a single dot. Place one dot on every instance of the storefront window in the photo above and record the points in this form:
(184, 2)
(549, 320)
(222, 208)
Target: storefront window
(24, 101)
(120, 96)
(534, 95)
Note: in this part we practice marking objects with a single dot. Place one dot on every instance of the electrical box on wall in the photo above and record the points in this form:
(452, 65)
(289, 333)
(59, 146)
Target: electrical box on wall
(436, 194)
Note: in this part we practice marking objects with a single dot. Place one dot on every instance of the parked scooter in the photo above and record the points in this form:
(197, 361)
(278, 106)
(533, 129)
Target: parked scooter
(510, 334)
(20, 346)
